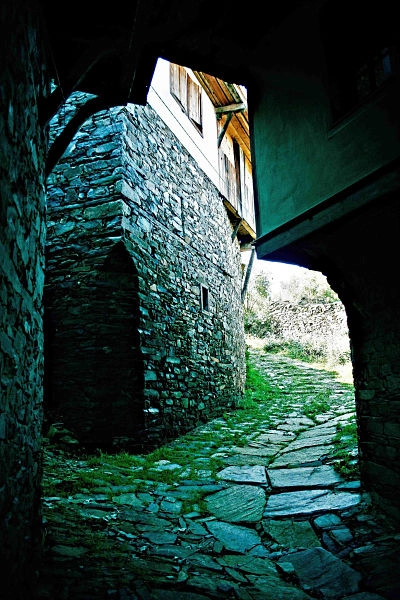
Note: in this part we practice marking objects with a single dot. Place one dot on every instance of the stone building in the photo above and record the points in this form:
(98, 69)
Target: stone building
(144, 318)
(323, 84)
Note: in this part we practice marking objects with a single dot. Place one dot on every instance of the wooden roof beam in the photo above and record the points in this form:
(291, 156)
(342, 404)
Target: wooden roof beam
(230, 108)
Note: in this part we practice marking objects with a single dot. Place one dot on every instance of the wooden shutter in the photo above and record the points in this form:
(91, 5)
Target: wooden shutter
(174, 80)
(178, 84)
(194, 101)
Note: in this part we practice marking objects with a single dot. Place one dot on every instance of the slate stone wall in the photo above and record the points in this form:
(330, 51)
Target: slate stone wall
(357, 255)
(375, 334)
(137, 236)
(21, 287)
(324, 319)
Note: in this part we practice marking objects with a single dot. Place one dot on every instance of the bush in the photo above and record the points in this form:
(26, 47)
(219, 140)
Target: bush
(261, 324)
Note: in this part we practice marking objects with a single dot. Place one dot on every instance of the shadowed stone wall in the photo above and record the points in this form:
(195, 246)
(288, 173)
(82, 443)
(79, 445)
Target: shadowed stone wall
(371, 295)
(357, 255)
(138, 239)
(21, 286)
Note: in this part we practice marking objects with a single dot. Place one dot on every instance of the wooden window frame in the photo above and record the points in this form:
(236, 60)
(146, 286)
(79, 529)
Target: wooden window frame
(188, 95)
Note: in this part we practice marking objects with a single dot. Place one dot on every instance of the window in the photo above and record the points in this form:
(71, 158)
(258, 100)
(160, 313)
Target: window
(228, 178)
(361, 52)
(373, 73)
(187, 93)
(235, 176)
(204, 298)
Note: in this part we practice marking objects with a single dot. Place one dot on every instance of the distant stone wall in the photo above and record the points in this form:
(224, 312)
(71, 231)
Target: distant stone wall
(21, 286)
(138, 240)
(324, 319)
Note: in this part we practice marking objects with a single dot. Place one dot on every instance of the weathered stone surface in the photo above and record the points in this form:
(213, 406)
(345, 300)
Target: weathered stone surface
(304, 477)
(296, 424)
(308, 440)
(245, 473)
(162, 594)
(205, 561)
(267, 588)
(129, 499)
(291, 534)
(23, 151)
(301, 457)
(160, 537)
(327, 521)
(341, 535)
(308, 502)
(69, 552)
(237, 538)
(246, 459)
(320, 571)
(261, 450)
(238, 503)
(323, 431)
(249, 564)
(170, 505)
(275, 437)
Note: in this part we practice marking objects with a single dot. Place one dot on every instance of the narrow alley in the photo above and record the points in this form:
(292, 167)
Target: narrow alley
(250, 506)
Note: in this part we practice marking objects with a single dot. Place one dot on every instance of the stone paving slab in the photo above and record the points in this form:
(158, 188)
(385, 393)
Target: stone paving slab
(289, 533)
(246, 460)
(238, 538)
(264, 589)
(320, 571)
(238, 503)
(275, 437)
(303, 456)
(325, 430)
(258, 450)
(308, 441)
(245, 474)
(309, 502)
(304, 477)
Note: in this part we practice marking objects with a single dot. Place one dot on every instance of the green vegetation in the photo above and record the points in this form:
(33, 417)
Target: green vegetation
(305, 298)
(345, 454)
(317, 405)
(299, 350)
(257, 388)
(121, 460)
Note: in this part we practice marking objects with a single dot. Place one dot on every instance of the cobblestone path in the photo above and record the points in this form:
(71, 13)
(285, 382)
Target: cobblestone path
(250, 506)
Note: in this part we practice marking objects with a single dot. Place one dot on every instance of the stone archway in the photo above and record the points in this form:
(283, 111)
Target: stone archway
(356, 255)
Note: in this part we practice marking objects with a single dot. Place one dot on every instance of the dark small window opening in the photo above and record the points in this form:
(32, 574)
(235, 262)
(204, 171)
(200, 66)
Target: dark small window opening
(361, 51)
(373, 73)
(204, 298)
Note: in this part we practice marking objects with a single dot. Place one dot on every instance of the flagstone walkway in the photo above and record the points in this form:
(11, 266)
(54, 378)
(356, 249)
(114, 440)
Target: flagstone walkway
(273, 521)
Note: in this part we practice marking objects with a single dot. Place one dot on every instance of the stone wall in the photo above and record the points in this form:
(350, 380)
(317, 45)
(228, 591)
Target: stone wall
(137, 238)
(369, 290)
(21, 287)
(356, 255)
(324, 319)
